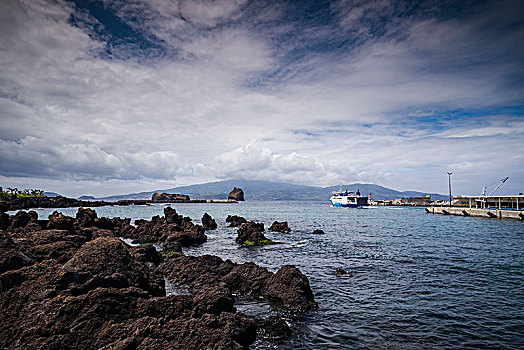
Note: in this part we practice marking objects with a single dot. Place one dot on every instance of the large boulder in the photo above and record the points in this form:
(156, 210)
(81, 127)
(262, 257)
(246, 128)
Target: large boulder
(235, 221)
(169, 197)
(251, 233)
(236, 194)
(107, 262)
(59, 221)
(85, 217)
(12, 257)
(281, 227)
(208, 222)
(290, 287)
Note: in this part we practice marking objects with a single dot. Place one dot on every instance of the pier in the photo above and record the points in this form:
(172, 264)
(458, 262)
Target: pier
(497, 207)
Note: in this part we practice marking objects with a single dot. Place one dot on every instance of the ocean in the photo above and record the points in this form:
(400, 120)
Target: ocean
(413, 281)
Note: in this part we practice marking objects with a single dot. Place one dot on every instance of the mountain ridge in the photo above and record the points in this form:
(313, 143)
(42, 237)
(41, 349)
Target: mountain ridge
(267, 190)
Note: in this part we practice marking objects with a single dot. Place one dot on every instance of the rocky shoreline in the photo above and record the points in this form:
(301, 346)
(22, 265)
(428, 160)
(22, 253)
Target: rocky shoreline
(22, 203)
(74, 283)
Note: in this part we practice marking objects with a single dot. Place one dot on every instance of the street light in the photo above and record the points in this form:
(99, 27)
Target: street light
(449, 181)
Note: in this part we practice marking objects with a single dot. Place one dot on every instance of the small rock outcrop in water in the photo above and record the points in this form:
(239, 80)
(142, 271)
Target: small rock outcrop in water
(169, 197)
(281, 227)
(235, 221)
(208, 222)
(317, 232)
(79, 286)
(287, 287)
(251, 233)
(236, 194)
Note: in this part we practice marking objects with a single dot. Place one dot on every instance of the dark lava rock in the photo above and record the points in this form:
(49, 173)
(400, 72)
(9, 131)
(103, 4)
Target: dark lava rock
(107, 262)
(60, 221)
(272, 328)
(12, 257)
(171, 230)
(281, 227)
(236, 194)
(341, 272)
(169, 197)
(173, 218)
(78, 293)
(146, 253)
(208, 222)
(317, 232)
(85, 217)
(214, 301)
(60, 245)
(5, 221)
(290, 287)
(20, 219)
(235, 221)
(4, 206)
(251, 233)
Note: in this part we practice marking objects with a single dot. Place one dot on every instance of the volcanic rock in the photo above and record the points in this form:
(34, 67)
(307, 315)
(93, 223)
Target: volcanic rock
(12, 257)
(169, 197)
(208, 222)
(60, 221)
(236, 194)
(85, 217)
(272, 328)
(107, 262)
(281, 227)
(290, 287)
(251, 233)
(5, 221)
(235, 221)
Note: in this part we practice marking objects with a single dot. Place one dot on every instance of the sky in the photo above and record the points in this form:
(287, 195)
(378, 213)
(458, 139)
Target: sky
(112, 97)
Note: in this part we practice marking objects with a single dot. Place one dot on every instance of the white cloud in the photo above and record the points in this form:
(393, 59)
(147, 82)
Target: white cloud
(329, 116)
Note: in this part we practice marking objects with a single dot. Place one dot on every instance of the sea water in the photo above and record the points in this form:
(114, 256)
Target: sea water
(413, 281)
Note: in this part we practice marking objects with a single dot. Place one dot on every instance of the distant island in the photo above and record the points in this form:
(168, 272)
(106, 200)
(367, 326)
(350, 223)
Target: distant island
(266, 190)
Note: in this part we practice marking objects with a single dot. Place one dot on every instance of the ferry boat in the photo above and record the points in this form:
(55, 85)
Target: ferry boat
(348, 199)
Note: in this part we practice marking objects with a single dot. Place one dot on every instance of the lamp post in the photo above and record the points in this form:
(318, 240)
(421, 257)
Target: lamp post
(449, 181)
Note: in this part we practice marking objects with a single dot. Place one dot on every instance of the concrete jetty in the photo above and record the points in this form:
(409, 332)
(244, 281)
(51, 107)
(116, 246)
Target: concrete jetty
(484, 213)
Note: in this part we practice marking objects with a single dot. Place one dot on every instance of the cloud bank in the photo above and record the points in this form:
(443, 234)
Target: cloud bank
(105, 97)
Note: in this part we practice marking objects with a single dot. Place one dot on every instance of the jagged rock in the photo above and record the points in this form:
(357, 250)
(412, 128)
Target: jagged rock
(60, 221)
(291, 288)
(172, 217)
(85, 217)
(146, 253)
(12, 257)
(4, 206)
(272, 328)
(5, 221)
(20, 219)
(235, 221)
(214, 301)
(281, 227)
(236, 194)
(251, 233)
(60, 245)
(107, 262)
(208, 222)
(317, 232)
(169, 197)
(102, 294)
(288, 287)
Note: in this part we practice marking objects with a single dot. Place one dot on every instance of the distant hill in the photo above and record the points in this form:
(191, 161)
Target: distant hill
(265, 190)
(51, 194)
(86, 198)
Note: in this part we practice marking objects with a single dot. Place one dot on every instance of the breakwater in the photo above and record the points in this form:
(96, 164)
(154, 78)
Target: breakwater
(474, 212)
